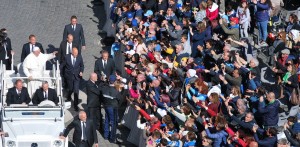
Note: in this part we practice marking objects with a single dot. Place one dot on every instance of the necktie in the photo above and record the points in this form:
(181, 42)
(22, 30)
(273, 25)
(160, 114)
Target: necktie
(105, 63)
(19, 93)
(74, 60)
(69, 48)
(46, 95)
(83, 131)
(32, 46)
(73, 26)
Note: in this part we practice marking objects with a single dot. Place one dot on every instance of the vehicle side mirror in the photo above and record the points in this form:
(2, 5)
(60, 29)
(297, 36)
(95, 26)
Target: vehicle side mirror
(67, 105)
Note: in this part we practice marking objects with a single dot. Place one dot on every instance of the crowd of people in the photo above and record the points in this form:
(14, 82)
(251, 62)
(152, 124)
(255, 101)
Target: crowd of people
(195, 79)
(189, 69)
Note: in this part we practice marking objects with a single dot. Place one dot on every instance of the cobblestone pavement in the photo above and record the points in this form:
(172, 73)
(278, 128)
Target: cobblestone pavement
(46, 19)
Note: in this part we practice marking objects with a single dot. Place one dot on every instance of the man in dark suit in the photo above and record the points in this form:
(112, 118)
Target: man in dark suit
(28, 47)
(17, 94)
(45, 93)
(77, 31)
(7, 56)
(85, 134)
(65, 48)
(73, 68)
(93, 100)
(105, 66)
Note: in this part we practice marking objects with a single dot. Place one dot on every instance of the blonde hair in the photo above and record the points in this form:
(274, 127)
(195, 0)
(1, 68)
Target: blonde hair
(203, 4)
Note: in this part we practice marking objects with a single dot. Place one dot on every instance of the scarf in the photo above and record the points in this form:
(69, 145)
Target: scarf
(286, 77)
(234, 27)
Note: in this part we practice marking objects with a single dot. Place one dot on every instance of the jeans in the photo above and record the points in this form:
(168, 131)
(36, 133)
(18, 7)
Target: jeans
(244, 30)
(110, 124)
(262, 29)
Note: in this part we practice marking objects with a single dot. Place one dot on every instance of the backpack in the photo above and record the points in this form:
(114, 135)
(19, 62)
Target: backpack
(295, 96)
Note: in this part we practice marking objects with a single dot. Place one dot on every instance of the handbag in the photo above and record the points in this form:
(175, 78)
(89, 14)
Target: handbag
(295, 97)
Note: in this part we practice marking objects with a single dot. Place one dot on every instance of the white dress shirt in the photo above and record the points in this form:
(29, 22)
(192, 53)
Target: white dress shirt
(72, 59)
(74, 27)
(67, 50)
(45, 93)
(82, 129)
(31, 47)
(104, 63)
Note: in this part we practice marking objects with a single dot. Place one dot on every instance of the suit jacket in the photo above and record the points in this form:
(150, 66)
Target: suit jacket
(2, 54)
(90, 132)
(62, 52)
(93, 94)
(12, 96)
(39, 96)
(72, 72)
(8, 50)
(109, 69)
(78, 34)
(26, 50)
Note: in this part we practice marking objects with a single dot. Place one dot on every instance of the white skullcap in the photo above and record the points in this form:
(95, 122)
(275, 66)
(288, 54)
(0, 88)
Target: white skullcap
(36, 49)
(192, 72)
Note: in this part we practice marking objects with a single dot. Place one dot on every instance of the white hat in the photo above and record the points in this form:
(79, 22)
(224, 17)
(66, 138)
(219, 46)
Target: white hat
(295, 33)
(131, 52)
(36, 49)
(214, 89)
(285, 51)
(192, 72)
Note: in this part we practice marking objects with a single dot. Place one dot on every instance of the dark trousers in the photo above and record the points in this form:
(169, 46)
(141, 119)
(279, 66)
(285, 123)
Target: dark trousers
(73, 87)
(83, 144)
(96, 116)
(110, 124)
(8, 64)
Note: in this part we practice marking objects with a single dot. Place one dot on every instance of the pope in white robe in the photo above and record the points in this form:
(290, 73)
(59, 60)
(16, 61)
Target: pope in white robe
(33, 67)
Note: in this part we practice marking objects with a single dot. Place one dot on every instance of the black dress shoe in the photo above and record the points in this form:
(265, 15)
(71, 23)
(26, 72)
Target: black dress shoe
(98, 3)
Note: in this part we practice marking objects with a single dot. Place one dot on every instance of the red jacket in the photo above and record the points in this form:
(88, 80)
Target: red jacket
(153, 127)
(213, 12)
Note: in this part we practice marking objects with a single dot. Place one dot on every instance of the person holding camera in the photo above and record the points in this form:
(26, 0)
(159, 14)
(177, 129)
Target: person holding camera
(111, 97)
(104, 66)
(6, 51)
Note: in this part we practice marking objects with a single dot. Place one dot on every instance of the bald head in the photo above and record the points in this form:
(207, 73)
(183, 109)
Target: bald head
(82, 116)
(270, 96)
(70, 38)
(253, 144)
(93, 77)
(74, 52)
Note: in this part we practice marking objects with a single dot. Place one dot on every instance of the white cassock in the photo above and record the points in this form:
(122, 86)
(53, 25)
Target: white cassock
(34, 66)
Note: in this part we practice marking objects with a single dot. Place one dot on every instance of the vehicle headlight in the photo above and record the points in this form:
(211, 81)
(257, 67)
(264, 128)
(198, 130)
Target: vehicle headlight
(11, 143)
(57, 143)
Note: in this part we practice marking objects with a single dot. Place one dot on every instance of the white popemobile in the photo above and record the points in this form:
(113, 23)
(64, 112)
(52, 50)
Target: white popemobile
(28, 125)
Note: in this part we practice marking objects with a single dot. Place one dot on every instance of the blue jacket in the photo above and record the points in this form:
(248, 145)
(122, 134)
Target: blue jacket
(219, 137)
(269, 113)
(267, 142)
(197, 39)
(262, 13)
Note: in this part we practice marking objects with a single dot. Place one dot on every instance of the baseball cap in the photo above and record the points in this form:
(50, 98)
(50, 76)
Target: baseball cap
(131, 52)
(112, 78)
(157, 48)
(129, 15)
(134, 22)
(234, 19)
(146, 24)
(148, 13)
